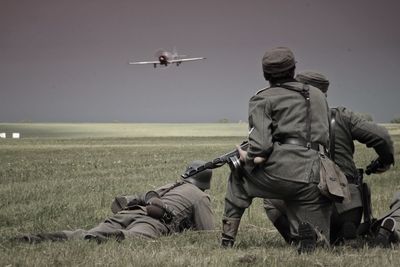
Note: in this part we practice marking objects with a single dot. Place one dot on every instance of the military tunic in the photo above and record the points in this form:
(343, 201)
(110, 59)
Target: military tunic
(291, 172)
(349, 127)
(191, 208)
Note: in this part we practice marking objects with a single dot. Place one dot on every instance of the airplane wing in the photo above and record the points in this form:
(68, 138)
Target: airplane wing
(144, 62)
(186, 59)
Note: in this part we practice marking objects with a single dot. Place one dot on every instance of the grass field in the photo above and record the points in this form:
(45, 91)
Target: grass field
(64, 176)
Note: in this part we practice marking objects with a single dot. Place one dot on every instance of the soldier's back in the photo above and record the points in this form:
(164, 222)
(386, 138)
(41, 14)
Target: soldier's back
(288, 112)
(183, 197)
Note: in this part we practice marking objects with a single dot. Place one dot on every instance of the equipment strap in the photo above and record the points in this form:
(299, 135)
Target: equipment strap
(179, 183)
(332, 126)
(299, 142)
(305, 92)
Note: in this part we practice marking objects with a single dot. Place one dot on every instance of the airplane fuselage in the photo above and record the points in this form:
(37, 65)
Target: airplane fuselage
(165, 58)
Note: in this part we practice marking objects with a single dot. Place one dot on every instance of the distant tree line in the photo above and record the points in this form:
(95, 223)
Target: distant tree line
(225, 120)
(395, 120)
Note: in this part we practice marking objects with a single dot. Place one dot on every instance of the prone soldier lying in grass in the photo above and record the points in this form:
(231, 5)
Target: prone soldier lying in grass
(169, 209)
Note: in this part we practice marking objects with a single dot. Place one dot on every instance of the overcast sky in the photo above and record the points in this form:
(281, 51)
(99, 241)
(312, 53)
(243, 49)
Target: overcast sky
(66, 60)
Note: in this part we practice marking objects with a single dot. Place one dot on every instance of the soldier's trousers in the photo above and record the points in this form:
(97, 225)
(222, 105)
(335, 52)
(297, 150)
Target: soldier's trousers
(342, 214)
(303, 201)
(277, 213)
(128, 223)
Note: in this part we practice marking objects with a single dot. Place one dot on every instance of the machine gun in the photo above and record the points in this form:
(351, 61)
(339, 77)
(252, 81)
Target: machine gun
(373, 166)
(232, 158)
(369, 219)
(365, 198)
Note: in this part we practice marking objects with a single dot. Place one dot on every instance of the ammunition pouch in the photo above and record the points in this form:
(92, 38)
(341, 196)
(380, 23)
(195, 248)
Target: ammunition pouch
(124, 202)
(131, 202)
(156, 209)
(333, 183)
(149, 196)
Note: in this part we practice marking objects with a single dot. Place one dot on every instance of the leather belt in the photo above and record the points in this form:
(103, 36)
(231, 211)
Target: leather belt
(300, 142)
(353, 180)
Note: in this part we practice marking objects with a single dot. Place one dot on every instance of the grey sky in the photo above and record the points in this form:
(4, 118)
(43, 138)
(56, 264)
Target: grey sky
(66, 61)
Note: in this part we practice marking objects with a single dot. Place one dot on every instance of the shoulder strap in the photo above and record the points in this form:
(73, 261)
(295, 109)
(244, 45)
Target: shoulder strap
(305, 92)
(261, 90)
(170, 188)
(332, 126)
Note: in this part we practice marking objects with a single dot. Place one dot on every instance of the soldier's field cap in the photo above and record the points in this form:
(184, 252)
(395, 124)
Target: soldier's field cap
(278, 60)
(315, 79)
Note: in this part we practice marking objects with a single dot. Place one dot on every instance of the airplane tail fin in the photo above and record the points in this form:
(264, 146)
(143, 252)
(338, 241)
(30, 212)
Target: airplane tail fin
(174, 52)
(159, 52)
(176, 55)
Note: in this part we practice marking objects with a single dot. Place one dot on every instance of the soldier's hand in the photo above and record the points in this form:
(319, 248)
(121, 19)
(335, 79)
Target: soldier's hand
(242, 153)
(259, 160)
(376, 166)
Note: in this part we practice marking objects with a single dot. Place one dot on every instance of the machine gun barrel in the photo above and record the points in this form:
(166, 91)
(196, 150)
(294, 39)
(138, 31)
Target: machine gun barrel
(232, 158)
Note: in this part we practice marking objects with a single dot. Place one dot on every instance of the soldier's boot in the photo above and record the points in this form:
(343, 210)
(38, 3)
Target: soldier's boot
(56, 236)
(385, 232)
(30, 239)
(230, 228)
(96, 238)
(307, 238)
(283, 227)
(38, 238)
(310, 238)
(396, 236)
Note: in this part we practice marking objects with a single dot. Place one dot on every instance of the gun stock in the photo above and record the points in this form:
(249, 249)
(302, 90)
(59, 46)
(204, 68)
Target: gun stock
(365, 198)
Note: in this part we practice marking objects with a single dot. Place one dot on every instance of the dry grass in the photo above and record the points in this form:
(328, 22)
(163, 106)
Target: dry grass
(60, 183)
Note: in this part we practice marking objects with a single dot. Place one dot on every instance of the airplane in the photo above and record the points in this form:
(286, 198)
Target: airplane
(164, 58)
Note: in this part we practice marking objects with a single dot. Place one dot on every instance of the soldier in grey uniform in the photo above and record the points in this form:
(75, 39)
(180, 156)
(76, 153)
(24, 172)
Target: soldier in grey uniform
(169, 209)
(282, 158)
(387, 227)
(346, 217)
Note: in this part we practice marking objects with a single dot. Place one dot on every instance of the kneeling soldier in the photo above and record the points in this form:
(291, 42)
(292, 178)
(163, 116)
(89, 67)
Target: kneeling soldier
(350, 127)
